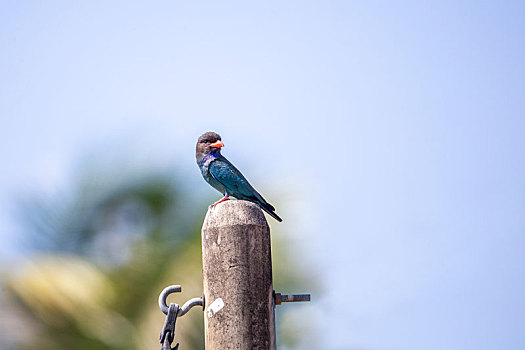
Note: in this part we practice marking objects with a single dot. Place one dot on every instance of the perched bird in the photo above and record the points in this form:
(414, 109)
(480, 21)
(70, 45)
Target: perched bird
(223, 176)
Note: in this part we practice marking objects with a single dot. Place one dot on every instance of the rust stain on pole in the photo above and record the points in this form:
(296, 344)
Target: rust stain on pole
(237, 271)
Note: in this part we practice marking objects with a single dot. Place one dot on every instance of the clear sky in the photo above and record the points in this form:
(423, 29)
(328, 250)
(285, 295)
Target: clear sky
(391, 136)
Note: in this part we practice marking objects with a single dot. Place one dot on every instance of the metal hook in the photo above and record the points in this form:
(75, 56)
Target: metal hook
(185, 308)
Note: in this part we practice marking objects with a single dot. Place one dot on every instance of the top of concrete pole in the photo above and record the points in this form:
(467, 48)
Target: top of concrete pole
(237, 274)
(234, 212)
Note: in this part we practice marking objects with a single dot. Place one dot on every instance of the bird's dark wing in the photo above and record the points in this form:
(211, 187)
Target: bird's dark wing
(231, 178)
(236, 184)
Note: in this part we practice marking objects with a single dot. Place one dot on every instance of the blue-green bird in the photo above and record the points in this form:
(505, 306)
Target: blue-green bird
(223, 176)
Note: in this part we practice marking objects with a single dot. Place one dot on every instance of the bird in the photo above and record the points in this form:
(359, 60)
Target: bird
(224, 176)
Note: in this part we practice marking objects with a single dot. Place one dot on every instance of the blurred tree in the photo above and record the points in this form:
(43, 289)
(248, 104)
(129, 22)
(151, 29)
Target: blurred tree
(102, 254)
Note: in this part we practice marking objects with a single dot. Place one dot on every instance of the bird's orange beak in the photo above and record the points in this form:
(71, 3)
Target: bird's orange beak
(218, 143)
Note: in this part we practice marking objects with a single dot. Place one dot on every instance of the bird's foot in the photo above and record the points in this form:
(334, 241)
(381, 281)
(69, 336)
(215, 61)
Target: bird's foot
(220, 200)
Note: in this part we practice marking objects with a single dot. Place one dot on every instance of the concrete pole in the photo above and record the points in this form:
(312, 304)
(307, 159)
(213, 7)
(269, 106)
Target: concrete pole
(237, 271)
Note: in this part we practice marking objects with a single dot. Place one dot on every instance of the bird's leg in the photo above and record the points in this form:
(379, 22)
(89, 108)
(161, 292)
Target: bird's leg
(225, 198)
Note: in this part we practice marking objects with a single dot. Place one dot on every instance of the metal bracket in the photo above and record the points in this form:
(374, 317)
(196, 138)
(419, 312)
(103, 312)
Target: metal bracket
(289, 298)
(167, 334)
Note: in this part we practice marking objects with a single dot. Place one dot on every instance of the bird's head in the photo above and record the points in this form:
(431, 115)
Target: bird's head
(209, 143)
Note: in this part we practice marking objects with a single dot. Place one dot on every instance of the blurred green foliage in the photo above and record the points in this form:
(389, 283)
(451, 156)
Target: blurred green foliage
(101, 254)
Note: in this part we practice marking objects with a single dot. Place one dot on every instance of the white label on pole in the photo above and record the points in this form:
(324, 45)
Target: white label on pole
(215, 307)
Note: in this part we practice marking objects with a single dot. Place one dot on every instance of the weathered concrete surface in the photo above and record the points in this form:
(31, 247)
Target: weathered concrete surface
(237, 267)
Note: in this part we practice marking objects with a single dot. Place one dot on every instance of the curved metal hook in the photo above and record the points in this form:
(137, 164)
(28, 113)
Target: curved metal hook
(176, 289)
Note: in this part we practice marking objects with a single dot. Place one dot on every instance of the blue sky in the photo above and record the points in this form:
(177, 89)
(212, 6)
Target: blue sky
(390, 134)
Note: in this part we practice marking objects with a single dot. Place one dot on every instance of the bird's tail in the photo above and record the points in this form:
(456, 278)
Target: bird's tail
(267, 207)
